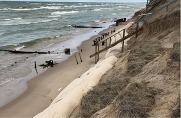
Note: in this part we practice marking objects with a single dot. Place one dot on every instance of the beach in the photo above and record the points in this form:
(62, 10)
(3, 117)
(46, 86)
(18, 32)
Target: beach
(152, 90)
(33, 93)
(45, 87)
(48, 29)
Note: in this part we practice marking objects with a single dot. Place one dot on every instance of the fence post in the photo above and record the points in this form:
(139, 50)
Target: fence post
(114, 38)
(106, 43)
(98, 53)
(95, 52)
(124, 30)
(110, 41)
(80, 57)
(76, 59)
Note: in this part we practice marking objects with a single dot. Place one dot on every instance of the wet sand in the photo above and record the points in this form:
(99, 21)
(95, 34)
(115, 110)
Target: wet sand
(46, 86)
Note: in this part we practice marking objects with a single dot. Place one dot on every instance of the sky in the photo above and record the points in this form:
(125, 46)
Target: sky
(81, 0)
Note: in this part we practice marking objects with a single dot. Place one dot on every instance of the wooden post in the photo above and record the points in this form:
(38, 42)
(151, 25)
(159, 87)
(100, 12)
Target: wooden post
(106, 43)
(124, 30)
(80, 57)
(98, 54)
(76, 59)
(95, 55)
(120, 36)
(110, 41)
(115, 39)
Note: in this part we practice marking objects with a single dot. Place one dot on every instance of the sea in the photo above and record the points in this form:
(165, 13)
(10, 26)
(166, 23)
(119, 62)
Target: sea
(47, 26)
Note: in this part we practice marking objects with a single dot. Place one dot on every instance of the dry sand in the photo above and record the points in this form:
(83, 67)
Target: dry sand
(45, 87)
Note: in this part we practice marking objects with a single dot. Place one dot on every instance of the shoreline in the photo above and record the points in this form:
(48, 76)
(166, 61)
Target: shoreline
(47, 86)
(81, 85)
(23, 71)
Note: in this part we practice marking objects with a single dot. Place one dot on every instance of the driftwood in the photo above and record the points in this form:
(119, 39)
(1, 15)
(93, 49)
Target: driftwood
(81, 26)
(25, 52)
(48, 63)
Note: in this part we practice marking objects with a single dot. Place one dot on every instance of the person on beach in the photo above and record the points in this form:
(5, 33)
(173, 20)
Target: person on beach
(36, 67)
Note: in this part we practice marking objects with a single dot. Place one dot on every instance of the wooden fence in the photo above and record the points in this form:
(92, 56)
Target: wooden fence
(108, 43)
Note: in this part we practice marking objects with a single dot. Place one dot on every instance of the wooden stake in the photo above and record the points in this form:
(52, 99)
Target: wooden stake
(106, 43)
(110, 41)
(76, 59)
(98, 54)
(114, 39)
(123, 40)
(95, 52)
(80, 57)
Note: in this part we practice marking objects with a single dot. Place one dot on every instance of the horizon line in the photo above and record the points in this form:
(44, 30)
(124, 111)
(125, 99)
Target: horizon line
(64, 1)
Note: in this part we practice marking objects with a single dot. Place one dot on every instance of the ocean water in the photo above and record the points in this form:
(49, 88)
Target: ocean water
(47, 27)
(26, 21)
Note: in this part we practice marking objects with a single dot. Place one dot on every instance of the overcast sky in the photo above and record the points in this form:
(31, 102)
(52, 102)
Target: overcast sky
(82, 0)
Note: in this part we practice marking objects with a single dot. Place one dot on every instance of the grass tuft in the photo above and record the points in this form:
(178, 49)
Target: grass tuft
(101, 96)
(175, 53)
(141, 54)
(135, 101)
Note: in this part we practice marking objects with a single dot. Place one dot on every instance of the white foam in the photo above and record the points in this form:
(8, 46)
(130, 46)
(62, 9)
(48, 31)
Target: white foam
(6, 19)
(18, 48)
(20, 9)
(6, 80)
(55, 4)
(51, 7)
(18, 21)
(114, 14)
(97, 21)
(63, 12)
(1, 34)
(97, 9)
(18, 18)
(29, 9)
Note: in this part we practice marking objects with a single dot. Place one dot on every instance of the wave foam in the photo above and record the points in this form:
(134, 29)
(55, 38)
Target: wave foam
(18, 48)
(51, 7)
(97, 9)
(59, 13)
(19, 21)
(18, 18)
(19, 9)
(29, 9)
(64, 12)
(6, 81)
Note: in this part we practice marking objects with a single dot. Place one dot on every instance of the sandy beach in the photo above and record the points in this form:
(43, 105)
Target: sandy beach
(58, 91)
(152, 90)
(45, 87)
(48, 29)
